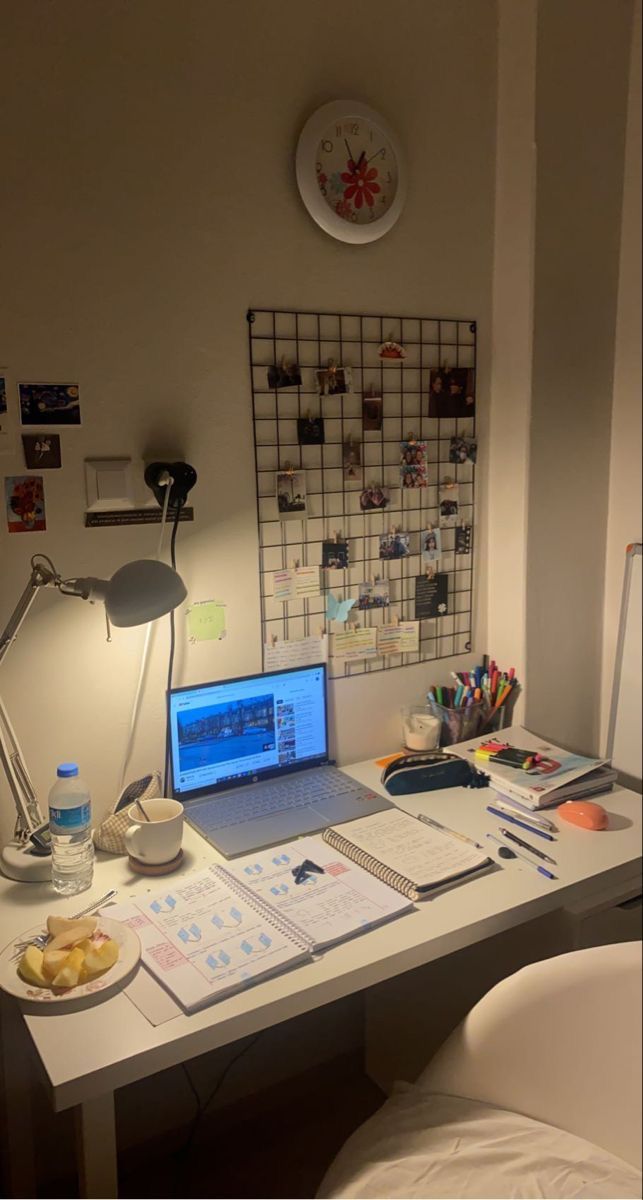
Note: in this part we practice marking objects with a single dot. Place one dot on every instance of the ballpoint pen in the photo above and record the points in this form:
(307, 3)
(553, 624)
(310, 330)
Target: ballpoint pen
(522, 857)
(452, 832)
(525, 846)
(505, 816)
(512, 809)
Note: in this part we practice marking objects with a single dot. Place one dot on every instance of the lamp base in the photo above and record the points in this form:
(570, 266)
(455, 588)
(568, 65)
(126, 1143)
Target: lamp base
(18, 862)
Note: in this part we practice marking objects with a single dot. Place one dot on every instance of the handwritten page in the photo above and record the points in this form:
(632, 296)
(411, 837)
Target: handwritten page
(326, 908)
(355, 644)
(421, 854)
(398, 639)
(295, 583)
(202, 941)
(300, 653)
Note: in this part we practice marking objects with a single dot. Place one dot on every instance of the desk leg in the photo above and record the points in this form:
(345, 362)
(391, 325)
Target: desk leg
(96, 1147)
(17, 1080)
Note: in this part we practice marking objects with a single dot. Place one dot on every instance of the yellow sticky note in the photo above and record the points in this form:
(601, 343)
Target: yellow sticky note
(206, 621)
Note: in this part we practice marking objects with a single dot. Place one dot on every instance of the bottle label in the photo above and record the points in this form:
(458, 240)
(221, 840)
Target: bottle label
(70, 818)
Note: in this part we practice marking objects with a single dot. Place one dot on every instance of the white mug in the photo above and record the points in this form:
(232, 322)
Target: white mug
(158, 840)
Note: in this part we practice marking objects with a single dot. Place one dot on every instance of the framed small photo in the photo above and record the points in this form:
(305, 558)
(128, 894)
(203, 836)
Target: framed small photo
(310, 431)
(413, 471)
(352, 460)
(25, 501)
(42, 451)
(463, 539)
(335, 381)
(291, 495)
(449, 498)
(374, 498)
(395, 545)
(49, 403)
(335, 555)
(463, 450)
(372, 407)
(374, 595)
(431, 542)
(283, 375)
(452, 393)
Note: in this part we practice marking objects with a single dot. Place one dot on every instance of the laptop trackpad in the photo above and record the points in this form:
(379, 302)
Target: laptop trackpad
(266, 831)
(348, 806)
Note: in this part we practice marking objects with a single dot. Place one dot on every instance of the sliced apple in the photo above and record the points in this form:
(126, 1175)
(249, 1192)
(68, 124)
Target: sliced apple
(30, 967)
(75, 933)
(100, 958)
(69, 975)
(56, 925)
(54, 961)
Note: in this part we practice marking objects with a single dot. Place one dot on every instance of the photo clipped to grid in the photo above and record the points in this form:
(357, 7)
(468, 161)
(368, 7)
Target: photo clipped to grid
(365, 447)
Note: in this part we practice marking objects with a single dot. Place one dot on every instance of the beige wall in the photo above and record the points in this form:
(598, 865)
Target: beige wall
(582, 69)
(624, 512)
(149, 197)
(512, 338)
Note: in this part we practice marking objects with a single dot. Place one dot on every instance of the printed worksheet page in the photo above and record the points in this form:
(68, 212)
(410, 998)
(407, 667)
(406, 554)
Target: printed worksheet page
(202, 941)
(328, 905)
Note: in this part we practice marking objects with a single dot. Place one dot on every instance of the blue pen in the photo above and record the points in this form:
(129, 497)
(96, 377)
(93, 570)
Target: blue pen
(504, 816)
(523, 857)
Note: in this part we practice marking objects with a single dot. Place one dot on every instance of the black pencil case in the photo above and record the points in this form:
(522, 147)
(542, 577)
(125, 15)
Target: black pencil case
(428, 772)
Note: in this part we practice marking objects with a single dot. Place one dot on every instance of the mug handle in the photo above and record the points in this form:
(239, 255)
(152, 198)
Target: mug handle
(130, 841)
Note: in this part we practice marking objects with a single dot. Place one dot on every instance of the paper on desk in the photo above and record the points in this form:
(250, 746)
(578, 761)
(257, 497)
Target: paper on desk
(299, 653)
(151, 999)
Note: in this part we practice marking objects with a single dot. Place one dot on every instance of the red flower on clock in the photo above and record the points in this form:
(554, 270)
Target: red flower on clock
(361, 183)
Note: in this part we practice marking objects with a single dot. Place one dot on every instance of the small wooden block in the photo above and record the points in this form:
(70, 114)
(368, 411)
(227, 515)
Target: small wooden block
(143, 868)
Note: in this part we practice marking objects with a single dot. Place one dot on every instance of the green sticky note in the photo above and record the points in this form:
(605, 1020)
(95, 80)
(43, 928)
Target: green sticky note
(206, 621)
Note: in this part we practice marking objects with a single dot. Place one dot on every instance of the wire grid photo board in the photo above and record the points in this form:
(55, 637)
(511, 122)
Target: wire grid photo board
(333, 509)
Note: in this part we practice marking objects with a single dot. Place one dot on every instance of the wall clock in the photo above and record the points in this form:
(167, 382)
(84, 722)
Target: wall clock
(350, 171)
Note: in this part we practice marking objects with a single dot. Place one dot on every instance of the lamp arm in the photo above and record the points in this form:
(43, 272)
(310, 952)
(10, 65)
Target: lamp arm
(28, 813)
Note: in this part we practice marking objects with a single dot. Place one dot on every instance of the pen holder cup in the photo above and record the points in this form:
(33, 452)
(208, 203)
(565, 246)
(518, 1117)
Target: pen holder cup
(460, 724)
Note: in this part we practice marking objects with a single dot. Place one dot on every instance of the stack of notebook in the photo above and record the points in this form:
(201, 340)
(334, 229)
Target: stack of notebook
(562, 776)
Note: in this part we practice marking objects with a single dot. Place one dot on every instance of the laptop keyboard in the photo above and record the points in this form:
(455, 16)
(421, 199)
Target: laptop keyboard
(264, 799)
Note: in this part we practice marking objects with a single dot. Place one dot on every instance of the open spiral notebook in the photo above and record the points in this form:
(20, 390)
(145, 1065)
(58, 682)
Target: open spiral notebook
(214, 932)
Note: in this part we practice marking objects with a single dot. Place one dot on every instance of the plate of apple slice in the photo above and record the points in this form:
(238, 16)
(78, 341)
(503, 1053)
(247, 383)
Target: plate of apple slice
(80, 958)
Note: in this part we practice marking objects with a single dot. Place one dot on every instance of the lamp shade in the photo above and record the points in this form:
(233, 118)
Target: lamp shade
(141, 591)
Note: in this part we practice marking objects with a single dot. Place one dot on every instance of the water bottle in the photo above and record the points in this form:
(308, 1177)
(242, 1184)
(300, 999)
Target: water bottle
(70, 823)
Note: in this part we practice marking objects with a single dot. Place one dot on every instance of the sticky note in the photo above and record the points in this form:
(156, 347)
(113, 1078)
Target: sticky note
(206, 621)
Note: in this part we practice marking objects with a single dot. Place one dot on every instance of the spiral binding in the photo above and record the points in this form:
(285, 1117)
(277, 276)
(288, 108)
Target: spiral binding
(266, 910)
(366, 860)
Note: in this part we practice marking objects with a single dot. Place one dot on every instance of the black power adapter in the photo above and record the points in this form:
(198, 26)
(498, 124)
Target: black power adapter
(183, 478)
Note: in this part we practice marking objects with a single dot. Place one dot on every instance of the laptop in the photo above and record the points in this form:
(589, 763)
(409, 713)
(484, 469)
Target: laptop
(250, 760)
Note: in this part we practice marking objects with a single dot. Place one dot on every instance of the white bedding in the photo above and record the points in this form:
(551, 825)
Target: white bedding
(421, 1145)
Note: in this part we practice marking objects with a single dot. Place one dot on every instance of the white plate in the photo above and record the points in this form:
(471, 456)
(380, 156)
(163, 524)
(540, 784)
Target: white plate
(128, 956)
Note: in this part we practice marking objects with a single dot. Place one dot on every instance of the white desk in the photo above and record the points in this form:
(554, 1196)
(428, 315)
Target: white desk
(88, 1054)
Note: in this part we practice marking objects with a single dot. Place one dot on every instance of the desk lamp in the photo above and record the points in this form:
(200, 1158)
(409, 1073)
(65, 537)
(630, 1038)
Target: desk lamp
(139, 592)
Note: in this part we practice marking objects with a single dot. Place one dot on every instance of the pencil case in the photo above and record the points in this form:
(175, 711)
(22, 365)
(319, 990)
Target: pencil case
(429, 772)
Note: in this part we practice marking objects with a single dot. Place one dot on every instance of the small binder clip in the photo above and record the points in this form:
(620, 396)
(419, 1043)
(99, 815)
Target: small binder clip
(288, 469)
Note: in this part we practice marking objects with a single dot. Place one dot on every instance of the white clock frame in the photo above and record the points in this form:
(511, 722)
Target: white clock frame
(306, 160)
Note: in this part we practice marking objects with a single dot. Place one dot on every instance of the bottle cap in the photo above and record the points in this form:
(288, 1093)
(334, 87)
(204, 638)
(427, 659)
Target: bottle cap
(66, 770)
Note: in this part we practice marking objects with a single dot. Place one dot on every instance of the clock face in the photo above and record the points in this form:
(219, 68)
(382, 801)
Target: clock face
(357, 170)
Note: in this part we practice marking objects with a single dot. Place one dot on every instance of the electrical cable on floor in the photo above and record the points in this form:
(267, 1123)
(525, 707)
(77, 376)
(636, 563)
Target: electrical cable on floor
(204, 1105)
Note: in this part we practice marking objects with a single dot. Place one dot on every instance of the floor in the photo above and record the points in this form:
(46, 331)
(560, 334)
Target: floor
(277, 1144)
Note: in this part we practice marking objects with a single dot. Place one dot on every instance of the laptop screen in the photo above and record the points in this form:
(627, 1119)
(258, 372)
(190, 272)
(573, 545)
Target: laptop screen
(241, 730)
